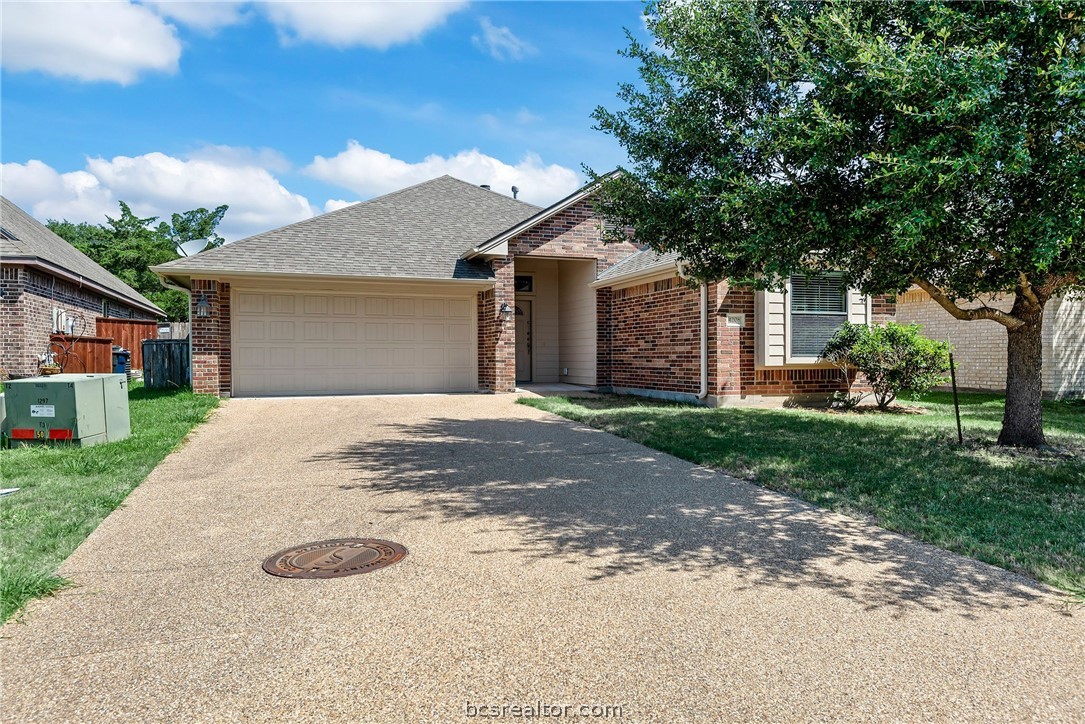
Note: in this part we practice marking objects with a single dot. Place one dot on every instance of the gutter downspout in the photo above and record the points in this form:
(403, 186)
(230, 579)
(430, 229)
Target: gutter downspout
(704, 343)
(703, 393)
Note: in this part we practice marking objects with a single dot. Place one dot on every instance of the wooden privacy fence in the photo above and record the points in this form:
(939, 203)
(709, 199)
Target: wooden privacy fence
(128, 333)
(178, 330)
(166, 363)
(82, 354)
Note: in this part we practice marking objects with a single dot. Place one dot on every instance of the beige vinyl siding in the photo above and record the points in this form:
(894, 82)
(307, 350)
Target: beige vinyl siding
(770, 312)
(858, 307)
(544, 298)
(577, 310)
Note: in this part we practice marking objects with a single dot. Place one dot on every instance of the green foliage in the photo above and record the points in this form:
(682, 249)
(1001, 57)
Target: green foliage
(128, 245)
(893, 358)
(893, 141)
(940, 144)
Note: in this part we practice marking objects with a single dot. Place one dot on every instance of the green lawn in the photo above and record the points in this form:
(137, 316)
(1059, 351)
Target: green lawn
(65, 492)
(1021, 510)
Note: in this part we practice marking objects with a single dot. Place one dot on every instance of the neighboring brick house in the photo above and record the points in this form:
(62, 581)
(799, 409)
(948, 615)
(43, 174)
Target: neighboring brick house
(449, 287)
(980, 346)
(46, 283)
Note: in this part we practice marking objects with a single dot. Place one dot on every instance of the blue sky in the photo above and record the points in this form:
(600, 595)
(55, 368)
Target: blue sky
(285, 109)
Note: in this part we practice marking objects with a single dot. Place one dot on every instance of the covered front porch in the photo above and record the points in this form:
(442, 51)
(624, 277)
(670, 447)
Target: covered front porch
(555, 321)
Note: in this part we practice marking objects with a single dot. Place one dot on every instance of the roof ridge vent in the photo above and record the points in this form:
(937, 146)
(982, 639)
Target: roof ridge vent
(484, 186)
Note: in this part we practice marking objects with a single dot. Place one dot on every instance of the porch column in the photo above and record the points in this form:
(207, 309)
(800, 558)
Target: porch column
(496, 335)
(505, 329)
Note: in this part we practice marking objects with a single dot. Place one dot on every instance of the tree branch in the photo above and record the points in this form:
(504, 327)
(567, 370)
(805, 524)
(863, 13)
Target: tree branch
(1026, 290)
(997, 315)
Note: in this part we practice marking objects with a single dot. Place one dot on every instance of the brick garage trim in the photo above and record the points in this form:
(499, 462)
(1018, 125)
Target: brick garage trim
(211, 339)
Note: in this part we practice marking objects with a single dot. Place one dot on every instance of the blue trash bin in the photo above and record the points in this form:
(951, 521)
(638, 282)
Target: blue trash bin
(121, 359)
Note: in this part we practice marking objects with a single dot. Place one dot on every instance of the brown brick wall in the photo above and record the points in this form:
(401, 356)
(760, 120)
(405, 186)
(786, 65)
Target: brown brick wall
(26, 314)
(653, 337)
(211, 339)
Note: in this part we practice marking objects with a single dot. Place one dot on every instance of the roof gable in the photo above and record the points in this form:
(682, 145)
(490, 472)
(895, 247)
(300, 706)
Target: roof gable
(416, 232)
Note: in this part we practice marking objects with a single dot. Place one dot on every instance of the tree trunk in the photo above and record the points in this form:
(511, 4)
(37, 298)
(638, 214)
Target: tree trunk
(1022, 422)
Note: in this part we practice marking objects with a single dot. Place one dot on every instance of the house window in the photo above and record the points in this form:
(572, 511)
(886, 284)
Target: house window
(105, 307)
(523, 283)
(818, 308)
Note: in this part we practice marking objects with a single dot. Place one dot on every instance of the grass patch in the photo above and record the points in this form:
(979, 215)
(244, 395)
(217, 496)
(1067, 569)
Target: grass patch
(1021, 510)
(65, 492)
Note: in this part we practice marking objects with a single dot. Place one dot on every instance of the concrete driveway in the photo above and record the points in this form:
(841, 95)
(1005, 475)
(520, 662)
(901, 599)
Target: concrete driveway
(548, 563)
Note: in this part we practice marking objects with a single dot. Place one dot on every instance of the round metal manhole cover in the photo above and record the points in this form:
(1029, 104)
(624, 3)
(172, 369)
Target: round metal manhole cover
(334, 558)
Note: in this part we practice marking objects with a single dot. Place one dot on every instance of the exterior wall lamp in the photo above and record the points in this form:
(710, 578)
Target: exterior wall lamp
(506, 311)
(203, 307)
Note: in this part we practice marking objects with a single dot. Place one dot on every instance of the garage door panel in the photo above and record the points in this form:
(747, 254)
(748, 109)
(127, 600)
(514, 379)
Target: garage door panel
(345, 306)
(332, 343)
(250, 303)
(434, 307)
(459, 332)
(250, 330)
(279, 330)
(344, 331)
(280, 304)
(281, 357)
(316, 305)
(252, 357)
(434, 332)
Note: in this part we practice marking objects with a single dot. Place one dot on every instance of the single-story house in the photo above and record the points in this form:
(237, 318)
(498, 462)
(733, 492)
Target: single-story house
(450, 287)
(46, 286)
(979, 347)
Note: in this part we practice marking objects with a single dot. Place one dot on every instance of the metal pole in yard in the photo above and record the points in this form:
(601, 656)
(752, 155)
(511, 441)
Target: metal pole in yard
(956, 403)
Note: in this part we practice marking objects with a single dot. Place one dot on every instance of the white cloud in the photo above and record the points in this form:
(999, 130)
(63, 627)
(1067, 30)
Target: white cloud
(370, 24)
(336, 204)
(268, 158)
(501, 43)
(89, 41)
(205, 15)
(368, 172)
(155, 184)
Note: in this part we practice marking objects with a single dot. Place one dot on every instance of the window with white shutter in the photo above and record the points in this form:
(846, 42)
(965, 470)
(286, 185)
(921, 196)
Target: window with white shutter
(819, 306)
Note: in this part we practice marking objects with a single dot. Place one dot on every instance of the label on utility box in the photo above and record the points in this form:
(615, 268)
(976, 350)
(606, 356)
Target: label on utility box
(42, 411)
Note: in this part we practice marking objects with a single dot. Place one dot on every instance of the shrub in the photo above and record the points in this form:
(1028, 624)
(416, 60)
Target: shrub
(893, 358)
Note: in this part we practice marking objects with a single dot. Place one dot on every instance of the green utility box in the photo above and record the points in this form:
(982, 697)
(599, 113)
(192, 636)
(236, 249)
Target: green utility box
(72, 409)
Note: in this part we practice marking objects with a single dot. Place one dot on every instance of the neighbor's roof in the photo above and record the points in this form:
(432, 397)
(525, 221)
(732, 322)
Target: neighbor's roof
(25, 240)
(417, 232)
(640, 263)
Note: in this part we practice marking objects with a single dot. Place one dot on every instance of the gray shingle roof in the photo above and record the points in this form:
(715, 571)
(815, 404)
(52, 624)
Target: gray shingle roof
(418, 232)
(640, 262)
(27, 239)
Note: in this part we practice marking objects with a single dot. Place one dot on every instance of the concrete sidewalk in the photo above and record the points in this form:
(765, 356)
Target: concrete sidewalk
(548, 563)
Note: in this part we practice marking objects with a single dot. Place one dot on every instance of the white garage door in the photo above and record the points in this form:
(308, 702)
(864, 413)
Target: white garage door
(311, 343)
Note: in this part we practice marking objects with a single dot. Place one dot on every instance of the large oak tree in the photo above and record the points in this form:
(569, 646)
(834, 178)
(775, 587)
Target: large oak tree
(932, 144)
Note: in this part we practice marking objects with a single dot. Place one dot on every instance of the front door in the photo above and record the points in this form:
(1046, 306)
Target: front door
(523, 341)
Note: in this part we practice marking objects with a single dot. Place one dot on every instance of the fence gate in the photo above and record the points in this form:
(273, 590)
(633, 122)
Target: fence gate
(166, 364)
